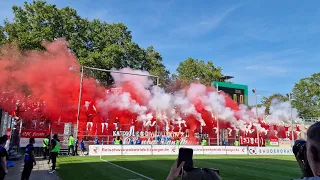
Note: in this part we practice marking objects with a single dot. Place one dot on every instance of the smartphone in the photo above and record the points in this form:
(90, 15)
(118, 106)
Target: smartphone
(186, 155)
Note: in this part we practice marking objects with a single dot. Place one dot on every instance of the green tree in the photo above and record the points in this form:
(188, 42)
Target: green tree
(155, 66)
(2, 36)
(192, 70)
(266, 101)
(95, 43)
(307, 96)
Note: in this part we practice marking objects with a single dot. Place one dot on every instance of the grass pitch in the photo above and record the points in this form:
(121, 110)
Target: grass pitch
(157, 167)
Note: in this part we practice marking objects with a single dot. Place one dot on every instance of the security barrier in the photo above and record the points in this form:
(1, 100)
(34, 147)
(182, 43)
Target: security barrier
(104, 150)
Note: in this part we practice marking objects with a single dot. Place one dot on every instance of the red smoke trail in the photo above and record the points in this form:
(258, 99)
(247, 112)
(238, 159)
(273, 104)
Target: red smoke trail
(49, 78)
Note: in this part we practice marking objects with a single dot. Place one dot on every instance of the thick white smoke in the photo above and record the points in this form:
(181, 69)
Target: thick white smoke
(175, 108)
(281, 112)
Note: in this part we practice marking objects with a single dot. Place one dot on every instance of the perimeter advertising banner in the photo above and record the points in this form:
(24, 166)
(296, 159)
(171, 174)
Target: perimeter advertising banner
(270, 151)
(96, 150)
(38, 135)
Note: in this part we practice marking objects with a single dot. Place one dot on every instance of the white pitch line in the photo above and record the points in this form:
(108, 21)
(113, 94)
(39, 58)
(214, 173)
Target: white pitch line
(127, 170)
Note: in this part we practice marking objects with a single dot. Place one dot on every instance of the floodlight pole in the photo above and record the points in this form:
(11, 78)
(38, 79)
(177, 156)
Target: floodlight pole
(290, 99)
(217, 119)
(79, 102)
(257, 116)
(157, 110)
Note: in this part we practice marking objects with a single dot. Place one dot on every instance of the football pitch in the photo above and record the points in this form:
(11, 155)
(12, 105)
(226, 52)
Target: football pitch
(157, 167)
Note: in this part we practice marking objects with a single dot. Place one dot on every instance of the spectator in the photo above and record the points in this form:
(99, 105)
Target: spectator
(7, 146)
(313, 153)
(29, 160)
(116, 123)
(76, 144)
(131, 141)
(96, 141)
(138, 141)
(224, 142)
(195, 174)
(82, 147)
(3, 155)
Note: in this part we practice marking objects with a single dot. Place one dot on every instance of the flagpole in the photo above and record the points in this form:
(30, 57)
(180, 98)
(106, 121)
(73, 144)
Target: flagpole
(218, 128)
(79, 102)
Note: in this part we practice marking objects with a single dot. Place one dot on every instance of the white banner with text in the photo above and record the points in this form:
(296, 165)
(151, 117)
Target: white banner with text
(270, 151)
(96, 150)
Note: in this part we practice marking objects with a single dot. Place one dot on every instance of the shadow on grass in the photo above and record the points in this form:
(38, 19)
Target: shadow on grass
(230, 169)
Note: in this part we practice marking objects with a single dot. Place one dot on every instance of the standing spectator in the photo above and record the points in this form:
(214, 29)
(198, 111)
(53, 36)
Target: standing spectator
(96, 141)
(131, 142)
(45, 146)
(138, 141)
(7, 146)
(29, 160)
(3, 156)
(55, 149)
(116, 123)
(82, 147)
(131, 132)
(76, 144)
(71, 145)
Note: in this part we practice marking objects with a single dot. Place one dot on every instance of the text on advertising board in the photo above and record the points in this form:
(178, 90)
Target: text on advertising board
(33, 133)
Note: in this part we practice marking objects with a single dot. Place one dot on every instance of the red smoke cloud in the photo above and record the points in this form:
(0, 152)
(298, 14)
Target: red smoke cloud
(48, 83)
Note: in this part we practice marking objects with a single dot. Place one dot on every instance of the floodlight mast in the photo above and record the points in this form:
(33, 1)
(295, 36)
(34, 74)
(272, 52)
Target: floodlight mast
(112, 71)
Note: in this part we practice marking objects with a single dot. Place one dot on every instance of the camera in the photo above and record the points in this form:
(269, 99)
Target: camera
(299, 150)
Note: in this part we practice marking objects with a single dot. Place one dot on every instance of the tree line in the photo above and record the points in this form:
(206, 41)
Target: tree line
(305, 97)
(97, 44)
(109, 45)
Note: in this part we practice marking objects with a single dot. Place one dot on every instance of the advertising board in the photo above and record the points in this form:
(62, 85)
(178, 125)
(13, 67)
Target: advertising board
(96, 150)
(38, 135)
(270, 151)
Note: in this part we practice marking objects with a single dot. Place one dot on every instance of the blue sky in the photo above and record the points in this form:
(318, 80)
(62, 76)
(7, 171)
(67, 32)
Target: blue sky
(268, 45)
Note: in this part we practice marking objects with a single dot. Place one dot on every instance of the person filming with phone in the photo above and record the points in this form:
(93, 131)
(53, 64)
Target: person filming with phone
(184, 168)
(307, 153)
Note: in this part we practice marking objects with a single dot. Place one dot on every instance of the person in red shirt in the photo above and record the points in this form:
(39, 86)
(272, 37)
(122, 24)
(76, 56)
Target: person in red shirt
(104, 124)
(91, 111)
(131, 133)
(116, 123)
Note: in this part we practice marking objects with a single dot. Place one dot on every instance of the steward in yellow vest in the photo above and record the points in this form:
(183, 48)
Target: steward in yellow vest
(55, 149)
(204, 142)
(117, 141)
(236, 143)
(45, 146)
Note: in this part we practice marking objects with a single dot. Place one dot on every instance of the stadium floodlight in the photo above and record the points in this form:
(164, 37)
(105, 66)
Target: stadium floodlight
(289, 95)
(104, 70)
(257, 116)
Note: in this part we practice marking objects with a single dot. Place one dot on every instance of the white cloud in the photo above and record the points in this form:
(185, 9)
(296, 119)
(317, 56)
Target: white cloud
(268, 69)
(197, 27)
